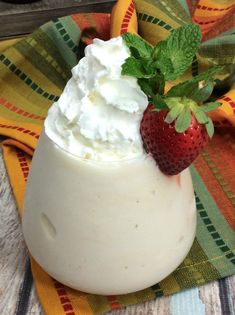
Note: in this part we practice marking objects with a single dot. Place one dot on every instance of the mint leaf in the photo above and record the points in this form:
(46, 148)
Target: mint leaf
(146, 87)
(191, 88)
(165, 65)
(160, 46)
(180, 48)
(138, 46)
(210, 106)
(157, 83)
(135, 67)
(152, 86)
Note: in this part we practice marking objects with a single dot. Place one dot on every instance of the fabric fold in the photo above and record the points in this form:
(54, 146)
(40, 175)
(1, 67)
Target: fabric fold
(33, 72)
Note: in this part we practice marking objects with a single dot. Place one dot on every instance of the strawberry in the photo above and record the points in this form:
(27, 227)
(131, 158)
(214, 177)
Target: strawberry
(174, 127)
(172, 151)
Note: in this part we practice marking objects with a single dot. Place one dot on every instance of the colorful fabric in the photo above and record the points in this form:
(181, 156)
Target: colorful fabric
(33, 72)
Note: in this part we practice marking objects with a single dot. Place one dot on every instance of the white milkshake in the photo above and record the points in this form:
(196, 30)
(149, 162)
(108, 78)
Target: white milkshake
(99, 216)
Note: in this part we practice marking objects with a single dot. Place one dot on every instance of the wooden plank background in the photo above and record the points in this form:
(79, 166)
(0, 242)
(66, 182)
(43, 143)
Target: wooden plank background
(21, 19)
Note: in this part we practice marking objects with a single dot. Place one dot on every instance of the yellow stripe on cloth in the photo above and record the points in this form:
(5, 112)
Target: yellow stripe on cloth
(123, 18)
(56, 298)
(17, 163)
(4, 44)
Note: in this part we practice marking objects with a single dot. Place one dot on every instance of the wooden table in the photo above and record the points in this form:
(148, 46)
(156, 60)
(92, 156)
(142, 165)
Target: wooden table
(17, 293)
(21, 19)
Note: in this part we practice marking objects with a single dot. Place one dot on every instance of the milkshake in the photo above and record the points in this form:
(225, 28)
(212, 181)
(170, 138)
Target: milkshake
(99, 215)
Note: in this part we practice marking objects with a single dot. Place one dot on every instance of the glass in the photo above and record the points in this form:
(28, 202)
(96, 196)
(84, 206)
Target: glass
(106, 227)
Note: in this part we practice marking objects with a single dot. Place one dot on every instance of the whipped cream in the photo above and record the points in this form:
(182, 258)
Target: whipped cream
(98, 114)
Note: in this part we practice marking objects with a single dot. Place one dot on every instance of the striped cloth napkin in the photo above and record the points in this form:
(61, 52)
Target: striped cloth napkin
(33, 73)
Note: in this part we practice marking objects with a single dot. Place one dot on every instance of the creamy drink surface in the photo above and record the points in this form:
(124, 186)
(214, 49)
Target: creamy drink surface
(99, 216)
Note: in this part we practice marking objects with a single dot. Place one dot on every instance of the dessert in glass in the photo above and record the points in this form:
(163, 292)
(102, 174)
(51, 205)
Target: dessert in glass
(99, 215)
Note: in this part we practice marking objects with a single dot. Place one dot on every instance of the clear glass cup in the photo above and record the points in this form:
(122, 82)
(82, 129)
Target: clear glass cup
(106, 227)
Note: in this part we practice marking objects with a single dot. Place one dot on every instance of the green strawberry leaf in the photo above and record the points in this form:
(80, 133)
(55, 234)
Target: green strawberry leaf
(210, 106)
(173, 114)
(209, 127)
(201, 116)
(183, 121)
(179, 49)
(138, 46)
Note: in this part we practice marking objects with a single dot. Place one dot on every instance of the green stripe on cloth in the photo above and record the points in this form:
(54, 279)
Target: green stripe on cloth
(153, 20)
(184, 5)
(67, 35)
(49, 50)
(223, 53)
(26, 79)
(225, 186)
(196, 268)
(210, 228)
(42, 61)
(157, 290)
(170, 8)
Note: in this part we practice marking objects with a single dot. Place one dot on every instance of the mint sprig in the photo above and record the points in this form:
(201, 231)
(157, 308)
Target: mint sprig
(168, 60)
(176, 53)
(138, 47)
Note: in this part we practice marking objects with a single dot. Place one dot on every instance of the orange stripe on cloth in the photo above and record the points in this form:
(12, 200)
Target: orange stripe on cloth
(20, 129)
(56, 297)
(214, 166)
(214, 18)
(123, 18)
(19, 145)
(229, 101)
(113, 302)
(225, 114)
(63, 298)
(93, 25)
(16, 162)
(19, 111)
(204, 7)
(25, 132)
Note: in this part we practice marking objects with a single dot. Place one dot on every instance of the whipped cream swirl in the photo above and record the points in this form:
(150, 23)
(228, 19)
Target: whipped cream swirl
(98, 114)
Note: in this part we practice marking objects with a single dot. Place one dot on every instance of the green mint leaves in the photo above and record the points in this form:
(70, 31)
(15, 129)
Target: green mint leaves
(174, 55)
(138, 47)
(167, 61)
(171, 57)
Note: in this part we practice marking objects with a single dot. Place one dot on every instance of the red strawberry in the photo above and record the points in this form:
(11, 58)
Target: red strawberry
(173, 151)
